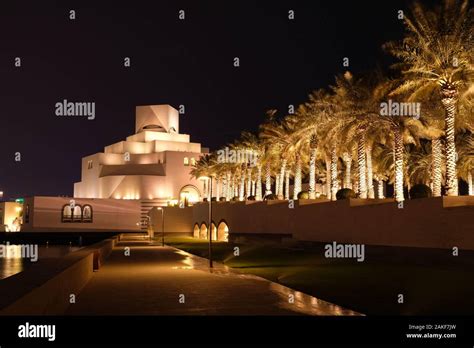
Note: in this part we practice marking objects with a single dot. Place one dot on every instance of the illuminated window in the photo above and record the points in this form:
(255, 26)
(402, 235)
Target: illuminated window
(193, 161)
(77, 214)
(223, 232)
(89, 164)
(87, 213)
(186, 161)
(66, 213)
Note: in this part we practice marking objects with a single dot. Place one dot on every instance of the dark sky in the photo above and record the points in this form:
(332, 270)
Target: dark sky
(173, 62)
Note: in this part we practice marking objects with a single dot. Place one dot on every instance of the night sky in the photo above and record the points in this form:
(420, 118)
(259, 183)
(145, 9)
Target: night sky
(173, 61)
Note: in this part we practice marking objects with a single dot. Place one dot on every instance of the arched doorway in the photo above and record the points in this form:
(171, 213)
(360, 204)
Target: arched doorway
(213, 231)
(223, 232)
(196, 231)
(203, 234)
(189, 194)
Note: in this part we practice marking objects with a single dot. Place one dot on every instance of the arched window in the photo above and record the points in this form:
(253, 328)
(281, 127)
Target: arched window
(213, 231)
(186, 161)
(189, 194)
(77, 214)
(203, 231)
(196, 231)
(87, 213)
(223, 232)
(66, 213)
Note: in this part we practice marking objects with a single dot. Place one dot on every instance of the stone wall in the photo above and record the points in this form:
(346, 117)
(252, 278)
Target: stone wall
(441, 222)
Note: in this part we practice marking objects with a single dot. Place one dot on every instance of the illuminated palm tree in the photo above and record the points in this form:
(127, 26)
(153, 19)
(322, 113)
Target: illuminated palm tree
(317, 127)
(255, 148)
(277, 136)
(205, 167)
(437, 57)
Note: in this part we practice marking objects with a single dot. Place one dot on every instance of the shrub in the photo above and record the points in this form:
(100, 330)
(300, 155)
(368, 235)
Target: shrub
(251, 198)
(303, 195)
(420, 191)
(270, 197)
(235, 198)
(222, 199)
(345, 193)
(214, 199)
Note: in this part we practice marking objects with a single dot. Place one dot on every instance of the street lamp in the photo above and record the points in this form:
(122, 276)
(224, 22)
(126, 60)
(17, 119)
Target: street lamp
(210, 222)
(162, 226)
(149, 228)
(204, 178)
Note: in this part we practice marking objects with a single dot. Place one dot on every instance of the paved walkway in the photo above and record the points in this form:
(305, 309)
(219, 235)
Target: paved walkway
(156, 280)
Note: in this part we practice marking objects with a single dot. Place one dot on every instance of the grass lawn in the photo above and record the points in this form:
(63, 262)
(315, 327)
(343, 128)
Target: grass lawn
(433, 282)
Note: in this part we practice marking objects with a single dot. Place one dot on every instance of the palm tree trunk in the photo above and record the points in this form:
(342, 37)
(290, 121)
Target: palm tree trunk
(297, 187)
(380, 189)
(355, 180)
(312, 174)
(361, 166)
(242, 186)
(230, 186)
(258, 191)
(328, 177)
(253, 188)
(249, 183)
(217, 188)
(470, 183)
(204, 188)
(277, 185)
(224, 186)
(436, 176)
(287, 184)
(398, 156)
(282, 178)
(347, 158)
(449, 100)
(236, 188)
(334, 187)
(370, 179)
(268, 180)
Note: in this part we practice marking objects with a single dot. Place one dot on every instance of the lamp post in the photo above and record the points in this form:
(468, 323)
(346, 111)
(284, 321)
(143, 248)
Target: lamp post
(162, 226)
(210, 221)
(149, 228)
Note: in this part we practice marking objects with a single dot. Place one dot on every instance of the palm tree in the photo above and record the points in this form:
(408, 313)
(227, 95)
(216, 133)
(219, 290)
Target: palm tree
(306, 136)
(205, 167)
(317, 128)
(277, 135)
(437, 57)
(255, 148)
(360, 103)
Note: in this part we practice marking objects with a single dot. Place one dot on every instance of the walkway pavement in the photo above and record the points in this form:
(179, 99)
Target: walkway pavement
(157, 280)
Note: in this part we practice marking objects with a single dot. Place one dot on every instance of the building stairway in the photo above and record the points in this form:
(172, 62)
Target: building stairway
(145, 206)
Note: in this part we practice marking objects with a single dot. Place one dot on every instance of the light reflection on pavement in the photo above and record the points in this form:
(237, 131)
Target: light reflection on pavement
(152, 278)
